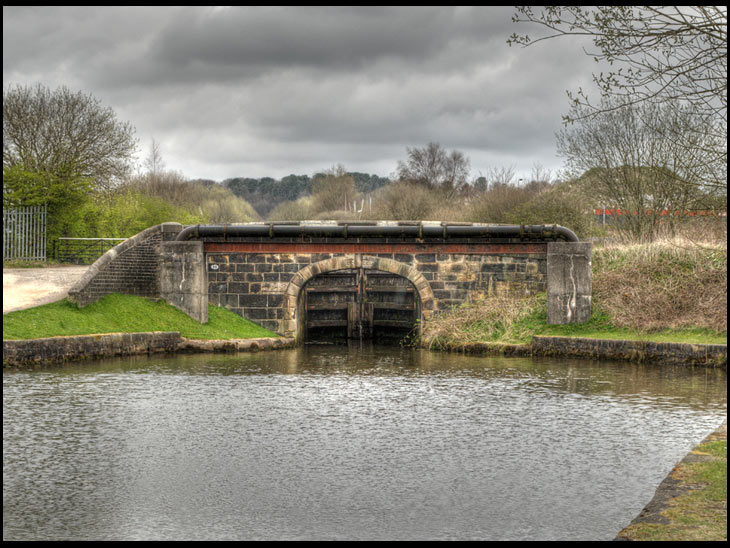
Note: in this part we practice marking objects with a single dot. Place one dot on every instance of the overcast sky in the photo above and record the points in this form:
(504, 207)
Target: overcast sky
(269, 91)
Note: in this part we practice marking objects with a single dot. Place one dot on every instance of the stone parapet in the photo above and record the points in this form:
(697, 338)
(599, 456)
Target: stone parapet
(131, 268)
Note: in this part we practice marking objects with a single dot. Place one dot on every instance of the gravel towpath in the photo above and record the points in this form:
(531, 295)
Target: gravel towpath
(28, 287)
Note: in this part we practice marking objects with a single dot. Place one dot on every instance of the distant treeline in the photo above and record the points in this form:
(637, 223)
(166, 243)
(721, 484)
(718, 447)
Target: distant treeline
(266, 193)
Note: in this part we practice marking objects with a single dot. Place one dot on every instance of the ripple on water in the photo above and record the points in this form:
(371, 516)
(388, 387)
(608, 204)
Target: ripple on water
(333, 443)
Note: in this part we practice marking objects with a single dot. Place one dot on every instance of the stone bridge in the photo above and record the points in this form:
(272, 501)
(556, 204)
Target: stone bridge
(297, 277)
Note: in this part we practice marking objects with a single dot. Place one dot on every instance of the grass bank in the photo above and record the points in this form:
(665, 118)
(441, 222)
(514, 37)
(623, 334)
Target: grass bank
(669, 291)
(125, 314)
(696, 506)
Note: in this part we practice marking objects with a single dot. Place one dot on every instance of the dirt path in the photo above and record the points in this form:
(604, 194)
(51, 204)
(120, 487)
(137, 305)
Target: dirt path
(28, 287)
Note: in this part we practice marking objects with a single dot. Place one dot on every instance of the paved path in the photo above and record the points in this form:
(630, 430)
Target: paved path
(28, 287)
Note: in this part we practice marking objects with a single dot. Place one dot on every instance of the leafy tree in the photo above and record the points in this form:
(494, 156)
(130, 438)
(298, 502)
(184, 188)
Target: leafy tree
(64, 198)
(66, 134)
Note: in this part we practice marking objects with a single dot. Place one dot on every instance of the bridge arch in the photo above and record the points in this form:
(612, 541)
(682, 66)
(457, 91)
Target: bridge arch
(300, 279)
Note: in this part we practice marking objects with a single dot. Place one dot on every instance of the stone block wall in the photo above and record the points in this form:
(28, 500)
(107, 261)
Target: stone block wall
(263, 286)
(182, 278)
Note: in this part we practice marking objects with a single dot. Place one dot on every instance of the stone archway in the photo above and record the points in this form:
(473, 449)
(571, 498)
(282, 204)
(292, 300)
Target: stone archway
(293, 289)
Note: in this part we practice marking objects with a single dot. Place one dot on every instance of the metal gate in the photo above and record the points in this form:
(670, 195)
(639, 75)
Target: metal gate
(360, 304)
(24, 233)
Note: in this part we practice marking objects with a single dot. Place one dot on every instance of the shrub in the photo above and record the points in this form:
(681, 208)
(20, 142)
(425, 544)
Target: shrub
(403, 201)
(561, 204)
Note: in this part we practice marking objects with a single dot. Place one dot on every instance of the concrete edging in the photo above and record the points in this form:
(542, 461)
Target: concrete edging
(711, 355)
(56, 350)
(671, 488)
(708, 355)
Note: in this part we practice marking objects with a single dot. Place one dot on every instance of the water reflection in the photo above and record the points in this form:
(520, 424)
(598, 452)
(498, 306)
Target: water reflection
(359, 443)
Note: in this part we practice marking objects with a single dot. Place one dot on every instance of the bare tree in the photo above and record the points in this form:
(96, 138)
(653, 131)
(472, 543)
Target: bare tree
(627, 162)
(500, 176)
(154, 162)
(655, 53)
(333, 190)
(68, 135)
(670, 55)
(434, 167)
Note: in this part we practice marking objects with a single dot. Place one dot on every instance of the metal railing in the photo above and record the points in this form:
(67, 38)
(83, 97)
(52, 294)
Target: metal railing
(82, 250)
(24, 233)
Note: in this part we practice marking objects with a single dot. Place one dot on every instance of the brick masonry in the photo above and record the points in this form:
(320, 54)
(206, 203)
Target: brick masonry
(131, 267)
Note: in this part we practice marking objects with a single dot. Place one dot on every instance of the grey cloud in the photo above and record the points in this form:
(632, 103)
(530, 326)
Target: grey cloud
(226, 90)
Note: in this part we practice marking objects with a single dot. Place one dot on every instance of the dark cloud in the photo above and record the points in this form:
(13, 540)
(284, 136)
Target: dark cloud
(253, 91)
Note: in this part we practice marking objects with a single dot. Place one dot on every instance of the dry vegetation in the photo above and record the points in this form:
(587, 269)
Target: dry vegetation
(639, 289)
(667, 284)
(497, 318)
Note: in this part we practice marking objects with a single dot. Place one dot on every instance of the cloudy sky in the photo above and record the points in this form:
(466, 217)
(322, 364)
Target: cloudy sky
(269, 91)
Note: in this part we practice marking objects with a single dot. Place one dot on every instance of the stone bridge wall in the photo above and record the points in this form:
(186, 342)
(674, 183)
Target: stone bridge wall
(260, 279)
(261, 286)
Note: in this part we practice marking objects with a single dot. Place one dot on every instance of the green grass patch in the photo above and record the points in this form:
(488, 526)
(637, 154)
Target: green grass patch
(600, 326)
(117, 313)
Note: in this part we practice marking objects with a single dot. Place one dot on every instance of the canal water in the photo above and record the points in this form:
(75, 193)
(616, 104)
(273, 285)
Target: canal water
(344, 443)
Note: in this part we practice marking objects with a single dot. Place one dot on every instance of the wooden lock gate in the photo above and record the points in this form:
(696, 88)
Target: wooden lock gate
(360, 304)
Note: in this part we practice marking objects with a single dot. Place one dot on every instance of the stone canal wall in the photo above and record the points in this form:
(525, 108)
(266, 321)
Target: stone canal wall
(62, 349)
(635, 351)
(56, 350)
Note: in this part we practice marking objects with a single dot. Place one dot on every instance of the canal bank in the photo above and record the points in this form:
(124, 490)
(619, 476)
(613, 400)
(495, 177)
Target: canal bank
(58, 350)
(709, 355)
(684, 506)
(73, 348)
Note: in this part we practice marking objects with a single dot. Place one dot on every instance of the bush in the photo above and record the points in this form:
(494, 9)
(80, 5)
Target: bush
(561, 205)
(297, 210)
(495, 205)
(404, 201)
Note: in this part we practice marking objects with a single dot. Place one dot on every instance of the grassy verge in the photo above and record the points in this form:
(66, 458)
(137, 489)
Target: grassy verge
(700, 512)
(515, 321)
(125, 314)
(668, 291)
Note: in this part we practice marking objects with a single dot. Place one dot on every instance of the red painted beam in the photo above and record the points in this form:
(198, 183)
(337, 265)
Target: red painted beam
(373, 248)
